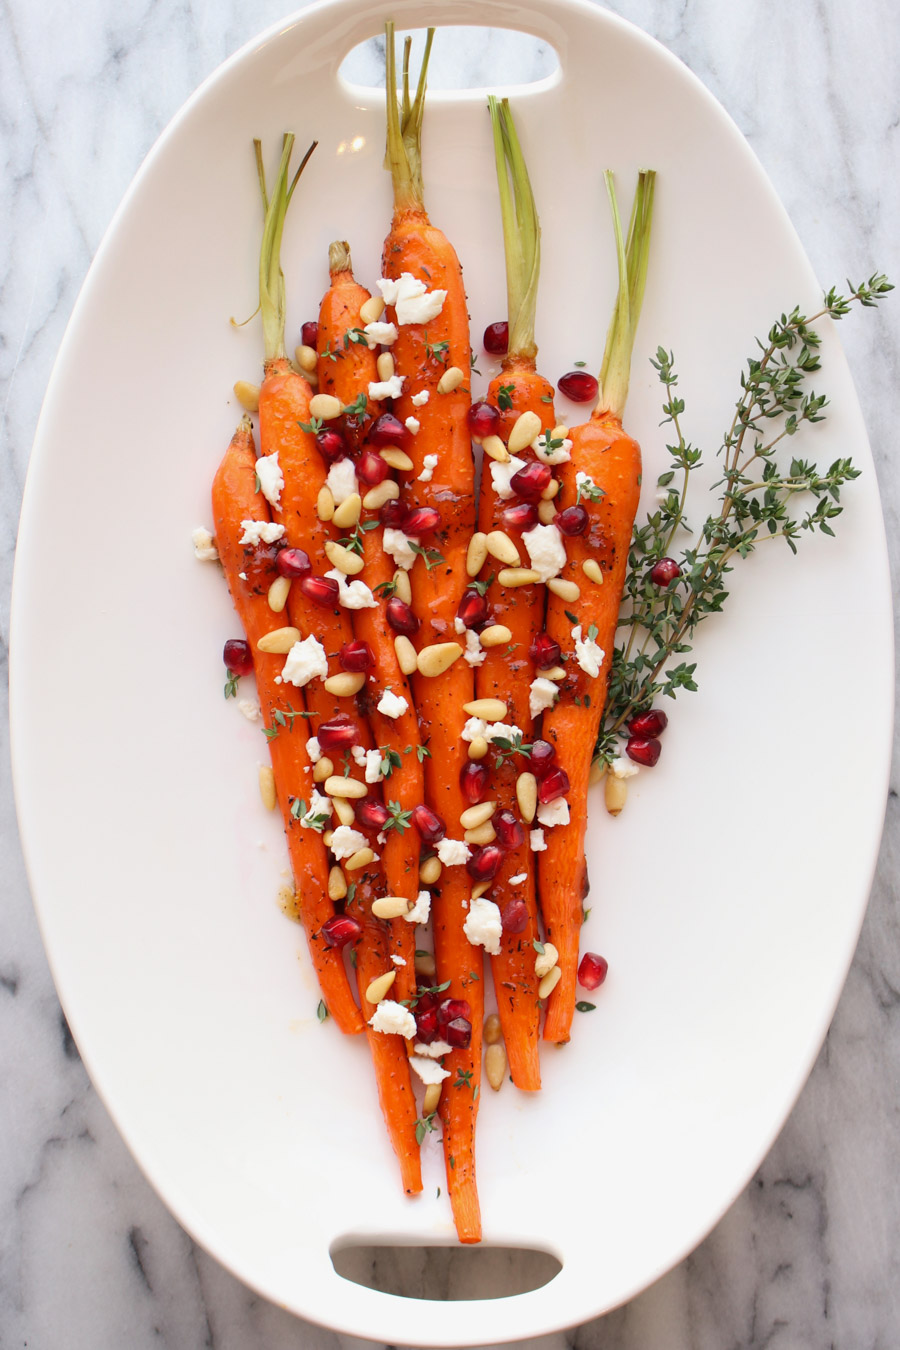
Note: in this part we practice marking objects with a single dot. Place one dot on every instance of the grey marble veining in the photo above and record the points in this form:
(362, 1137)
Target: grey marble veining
(809, 1256)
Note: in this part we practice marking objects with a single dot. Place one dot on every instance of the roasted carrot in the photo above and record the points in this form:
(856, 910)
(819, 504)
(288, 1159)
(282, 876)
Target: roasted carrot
(585, 628)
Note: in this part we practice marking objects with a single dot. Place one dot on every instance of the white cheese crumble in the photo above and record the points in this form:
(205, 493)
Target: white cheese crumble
(392, 705)
(622, 767)
(305, 661)
(352, 594)
(313, 749)
(411, 299)
(502, 473)
(474, 653)
(434, 1050)
(345, 841)
(398, 960)
(397, 545)
(419, 400)
(430, 461)
(341, 480)
(483, 925)
(587, 653)
(585, 482)
(458, 625)
(249, 707)
(453, 852)
(393, 1019)
(428, 1069)
(541, 695)
(271, 479)
(318, 806)
(380, 334)
(420, 910)
(546, 550)
(518, 879)
(205, 545)
(242, 575)
(491, 731)
(359, 754)
(260, 532)
(373, 766)
(537, 841)
(381, 389)
(412, 424)
(551, 454)
(553, 813)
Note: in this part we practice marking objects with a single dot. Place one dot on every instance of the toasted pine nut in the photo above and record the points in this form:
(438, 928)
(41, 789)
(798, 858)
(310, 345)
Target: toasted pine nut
(327, 838)
(495, 1065)
(526, 796)
(550, 490)
(591, 569)
(432, 1099)
(597, 771)
(344, 559)
(371, 310)
(493, 1032)
(306, 358)
(554, 673)
(615, 793)
(376, 497)
(344, 811)
(549, 982)
(437, 658)
(344, 685)
(501, 547)
(247, 395)
(560, 433)
(337, 884)
(473, 816)
(481, 889)
(481, 834)
(545, 960)
(495, 449)
(361, 858)
(390, 906)
(384, 365)
(325, 503)
(339, 786)
(379, 987)
(278, 594)
(398, 459)
(280, 640)
(430, 870)
(267, 787)
(488, 709)
(566, 590)
(546, 512)
(406, 654)
(425, 964)
(324, 769)
(476, 554)
(347, 513)
(402, 588)
(325, 406)
(312, 378)
(495, 635)
(518, 576)
(478, 748)
(451, 379)
(525, 428)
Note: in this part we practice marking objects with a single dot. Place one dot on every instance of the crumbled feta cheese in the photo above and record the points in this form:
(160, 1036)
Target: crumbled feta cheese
(398, 960)
(341, 480)
(430, 461)
(453, 852)
(518, 879)
(546, 550)
(305, 661)
(586, 485)
(392, 705)
(419, 400)
(420, 910)
(397, 545)
(380, 334)
(381, 389)
(412, 301)
(622, 767)
(474, 728)
(313, 749)
(373, 766)
(504, 731)
(412, 424)
(587, 653)
(474, 653)
(243, 576)
(553, 813)
(250, 708)
(352, 594)
(320, 807)
(541, 695)
(537, 841)
(205, 545)
(345, 841)
(359, 754)
(483, 925)
(271, 479)
(434, 1050)
(260, 531)
(547, 449)
(502, 473)
(458, 625)
(393, 1019)
(428, 1069)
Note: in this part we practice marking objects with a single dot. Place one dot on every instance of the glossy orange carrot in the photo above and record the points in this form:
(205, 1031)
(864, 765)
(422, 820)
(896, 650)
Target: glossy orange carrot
(611, 460)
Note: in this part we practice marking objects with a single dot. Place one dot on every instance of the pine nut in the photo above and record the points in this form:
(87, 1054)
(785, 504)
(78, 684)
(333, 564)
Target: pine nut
(361, 858)
(481, 889)
(430, 871)
(376, 497)
(398, 459)
(566, 590)
(545, 960)
(406, 654)
(402, 588)
(344, 811)
(495, 1065)
(494, 448)
(327, 838)
(560, 433)
(306, 358)
(247, 395)
(473, 816)
(432, 1099)
(339, 786)
(518, 576)
(615, 793)
(451, 379)
(546, 512)
(325, 406)
(379, 987)
(476, 554)
(554, 673)
(267, 787)
(280, 640)
(278, 594)
(481, 834)
(549, 982)
(591, 569)
(384, 365)
(390, 906)
(437, 658)
(337, 884)
(495, 635)
(550, 490)
(526, 796)
(344, 559)
(493, 1032)
(597, 771)
(324, 769)
(325, 503)
(347, 513)
(478, 748)
(344, 685)
(501, 547)
(426, 965)
(488, 709)
(312, 379)
(371, 310)
(525, 428)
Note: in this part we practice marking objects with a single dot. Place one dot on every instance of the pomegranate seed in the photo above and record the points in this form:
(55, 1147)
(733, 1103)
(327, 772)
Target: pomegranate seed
(484, 863)
(394, 513)
(426, 1024)
(331, 445)
(509, 830)
(309, 333)
(643, 750)
(578, 386)
(339, 733)
(483, 419)
(458, 1033)
(451, 1008)
(238, 657)
(574, 520)
(292, 562)
(422, 520)
(355, 430)
(592, 970)
(400, 616)
(473, 609)
(543, 755)
(426, 1001)
(371, 468)
(372, 815)
(473, 781)
(322, 591)
(544, 651)
(496, 339)
(522, 516)
(514, 916)
(554, 783)
(356, 656)
(429, 824)
(389, 430)
(649, 724)
(340, 929)
(664, 572)
(531, 481)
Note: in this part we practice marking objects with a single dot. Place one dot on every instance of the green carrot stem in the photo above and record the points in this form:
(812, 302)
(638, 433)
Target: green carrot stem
(521, 230)
(632, 255)
(403, 155)
(271, 277)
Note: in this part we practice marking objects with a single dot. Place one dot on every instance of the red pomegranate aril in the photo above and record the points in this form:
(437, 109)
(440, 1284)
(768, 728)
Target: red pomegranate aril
(340, 929)
(555, 783)
(422, 520)
(238, 657)
(458, 1033)
(522, 516)
(483, 419)
(473, 781)
(355, 430)
(649, 724)
(578, 385)
(356, 656)
(473, 609)
(389, 430)
(292, 562)
(484, 864)
(426, 1000)
(371, 468)
(544, 651)
(371, 815)
(429, 824)
(514, 916)
(309, 333)
(509, 830)
(339, 733)
(451, 1008)
(664, 572)
(543, 756)
(331, 445)
(393, 514)
(592, 970)
(531, 481)
(496, 339)
(426, 1025)
(643, 750)
(574, 520)
(322, 591)
(400, 616)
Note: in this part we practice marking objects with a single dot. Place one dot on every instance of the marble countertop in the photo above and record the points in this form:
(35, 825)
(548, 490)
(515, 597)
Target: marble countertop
(809, 1255)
